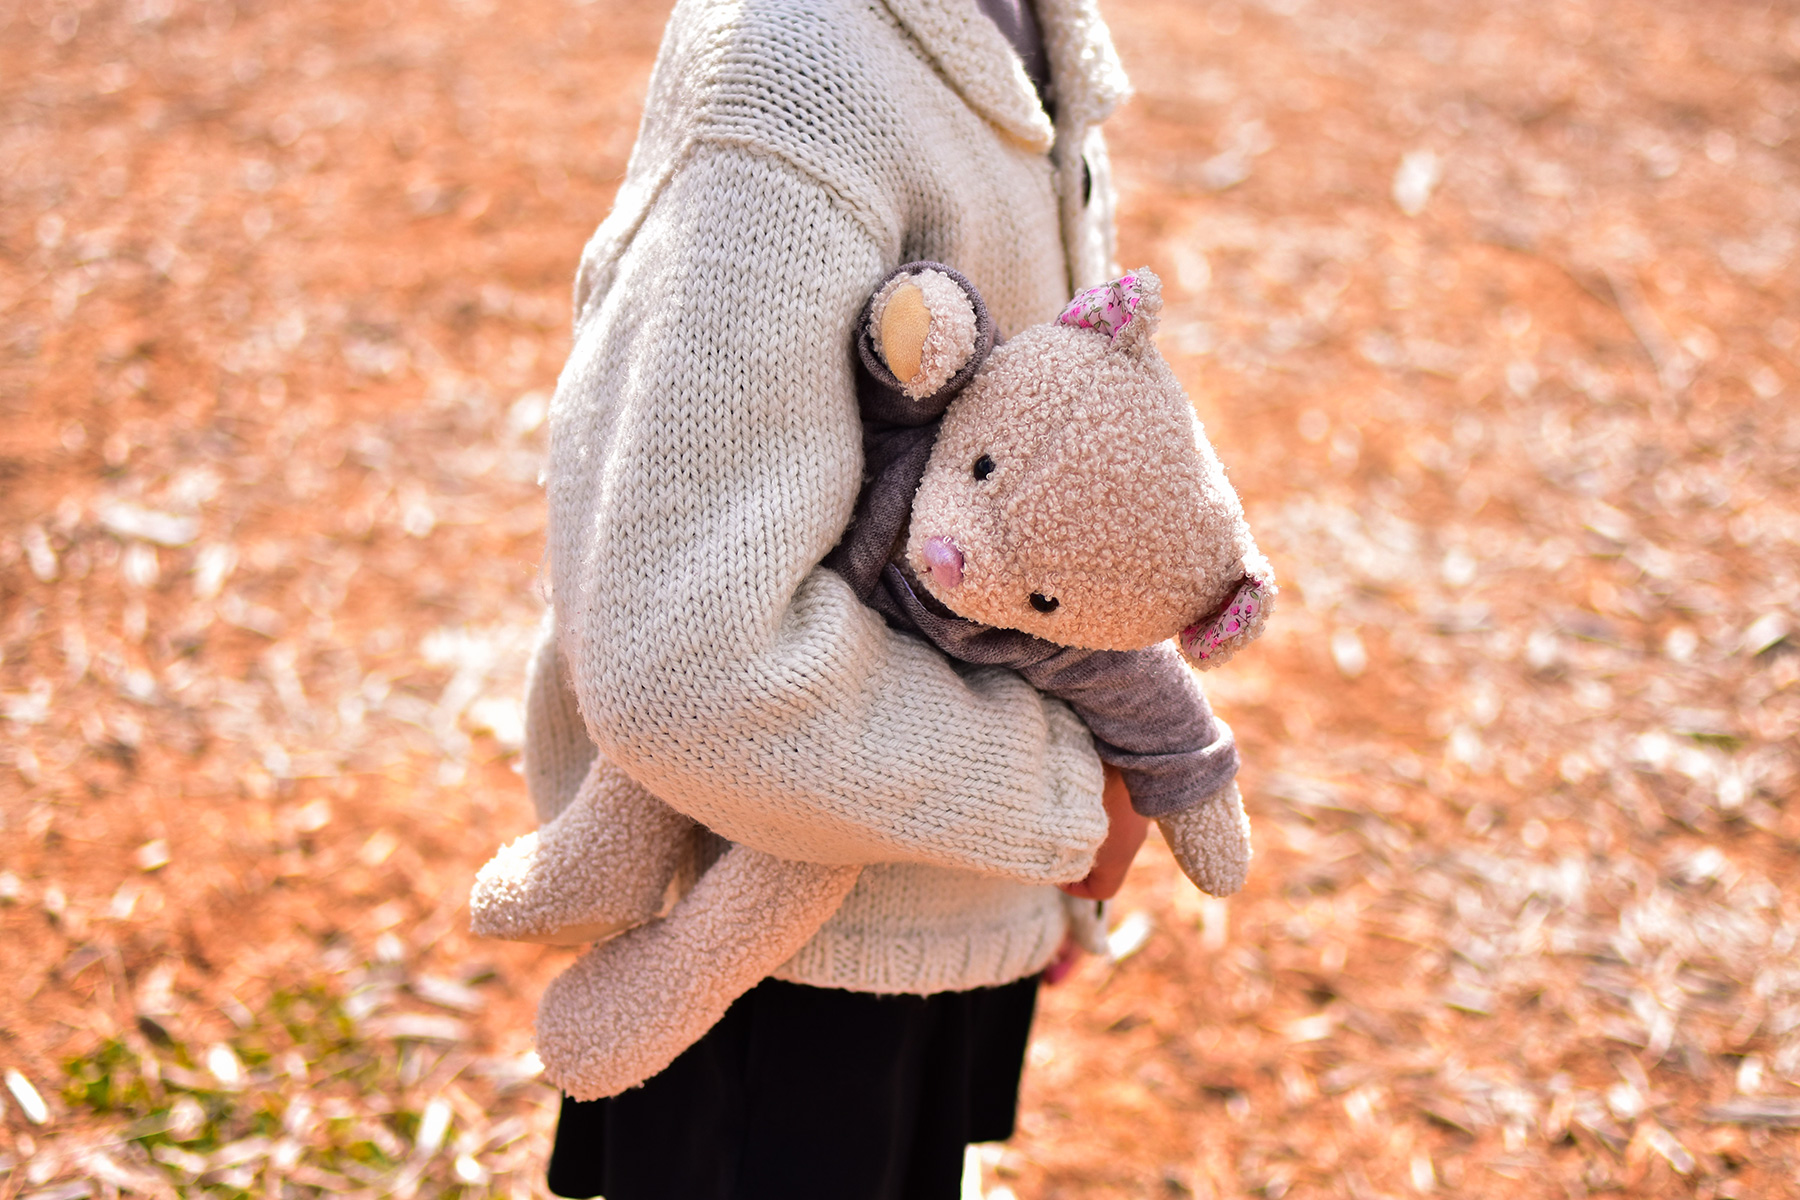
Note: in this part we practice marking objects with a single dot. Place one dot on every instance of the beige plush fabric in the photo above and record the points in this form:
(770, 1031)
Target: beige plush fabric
(705, 454)
(598, 1038)
(602, 864)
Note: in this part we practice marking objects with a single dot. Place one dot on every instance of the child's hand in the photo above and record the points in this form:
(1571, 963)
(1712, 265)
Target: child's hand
(1124, 834)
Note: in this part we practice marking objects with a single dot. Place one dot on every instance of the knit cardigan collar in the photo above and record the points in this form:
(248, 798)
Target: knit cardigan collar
(980, 64)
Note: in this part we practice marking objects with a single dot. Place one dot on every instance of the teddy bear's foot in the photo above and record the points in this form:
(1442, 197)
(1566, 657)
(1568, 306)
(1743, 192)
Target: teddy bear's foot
(602, 865)
(1211, 841)
(629, 1006)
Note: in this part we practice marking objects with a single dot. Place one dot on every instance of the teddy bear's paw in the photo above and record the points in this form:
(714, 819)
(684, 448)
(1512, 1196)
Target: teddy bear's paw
(1211, 841)
(499, 903)
(614, 1019)
(628, 1007)
(602, 865)
(517, 899)
(925, 328)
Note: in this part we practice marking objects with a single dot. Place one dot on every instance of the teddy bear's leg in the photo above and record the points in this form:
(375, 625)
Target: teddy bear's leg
(1211, 841)
(601, 865)
(629, 1006)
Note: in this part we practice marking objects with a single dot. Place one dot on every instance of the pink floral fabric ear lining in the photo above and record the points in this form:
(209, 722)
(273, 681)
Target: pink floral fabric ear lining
(1204, 640)
(1107, 308)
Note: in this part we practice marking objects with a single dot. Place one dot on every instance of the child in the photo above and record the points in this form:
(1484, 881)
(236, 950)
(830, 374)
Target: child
(792, 153)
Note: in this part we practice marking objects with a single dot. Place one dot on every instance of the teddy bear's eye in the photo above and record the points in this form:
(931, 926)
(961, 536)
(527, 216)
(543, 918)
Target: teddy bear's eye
(1043, 603)
(984, 466)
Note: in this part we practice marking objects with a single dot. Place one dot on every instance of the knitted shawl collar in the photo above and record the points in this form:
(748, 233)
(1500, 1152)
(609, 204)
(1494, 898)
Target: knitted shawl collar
(979, 63)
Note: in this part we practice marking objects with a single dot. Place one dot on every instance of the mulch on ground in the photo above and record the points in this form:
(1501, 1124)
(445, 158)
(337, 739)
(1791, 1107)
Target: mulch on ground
(1490, 310)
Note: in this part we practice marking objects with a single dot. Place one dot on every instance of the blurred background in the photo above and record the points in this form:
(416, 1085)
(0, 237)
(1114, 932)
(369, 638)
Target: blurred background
(1491, 310)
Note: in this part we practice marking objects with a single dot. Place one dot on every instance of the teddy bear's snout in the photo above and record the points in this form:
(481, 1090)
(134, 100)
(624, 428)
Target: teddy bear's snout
(944, 561)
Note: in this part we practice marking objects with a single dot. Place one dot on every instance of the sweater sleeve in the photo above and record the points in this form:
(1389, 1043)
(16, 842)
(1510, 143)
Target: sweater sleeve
(706, 454)
(557, 750)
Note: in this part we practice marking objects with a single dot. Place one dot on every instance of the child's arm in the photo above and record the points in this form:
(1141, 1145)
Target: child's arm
(705, 456)
(1144, 707)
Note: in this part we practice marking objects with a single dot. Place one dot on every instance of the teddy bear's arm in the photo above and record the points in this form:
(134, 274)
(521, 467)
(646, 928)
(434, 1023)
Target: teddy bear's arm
(895, 458)
(1144, 708)
(887, 399)
(1151, 721)
(899, 424)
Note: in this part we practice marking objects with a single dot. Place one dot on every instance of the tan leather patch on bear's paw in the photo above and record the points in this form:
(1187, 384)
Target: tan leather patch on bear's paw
(905, 324)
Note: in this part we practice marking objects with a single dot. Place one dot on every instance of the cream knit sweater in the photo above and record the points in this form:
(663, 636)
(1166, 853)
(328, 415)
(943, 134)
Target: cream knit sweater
(706, 453)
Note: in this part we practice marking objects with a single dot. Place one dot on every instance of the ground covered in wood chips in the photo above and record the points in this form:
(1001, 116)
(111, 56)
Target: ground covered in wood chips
(1492, 310)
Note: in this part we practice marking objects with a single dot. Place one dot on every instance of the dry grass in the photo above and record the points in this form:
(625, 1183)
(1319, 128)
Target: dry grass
(1491, 309)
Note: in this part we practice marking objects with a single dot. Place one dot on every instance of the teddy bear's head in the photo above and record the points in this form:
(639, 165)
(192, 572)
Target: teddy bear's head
(1071, 492)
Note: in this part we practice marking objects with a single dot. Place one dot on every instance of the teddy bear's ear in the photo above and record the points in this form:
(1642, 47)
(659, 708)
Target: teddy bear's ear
(1126, 310)
(1211, 641)
(924, 334)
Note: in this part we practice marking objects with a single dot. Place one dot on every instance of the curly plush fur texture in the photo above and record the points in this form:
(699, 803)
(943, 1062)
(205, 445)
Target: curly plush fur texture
(1211, 841)
(1097, 488)
(629, 1006)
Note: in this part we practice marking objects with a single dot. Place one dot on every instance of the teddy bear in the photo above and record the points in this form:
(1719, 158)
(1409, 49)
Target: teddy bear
(1048, 503)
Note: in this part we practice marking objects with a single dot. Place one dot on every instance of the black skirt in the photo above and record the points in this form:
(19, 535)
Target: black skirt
(814, 1092)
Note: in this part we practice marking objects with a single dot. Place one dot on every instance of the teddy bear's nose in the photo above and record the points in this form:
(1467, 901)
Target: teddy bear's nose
(944, 561)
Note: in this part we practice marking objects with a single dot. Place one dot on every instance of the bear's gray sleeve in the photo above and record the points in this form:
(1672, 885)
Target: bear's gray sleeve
(1149, 719)
(1144, 707)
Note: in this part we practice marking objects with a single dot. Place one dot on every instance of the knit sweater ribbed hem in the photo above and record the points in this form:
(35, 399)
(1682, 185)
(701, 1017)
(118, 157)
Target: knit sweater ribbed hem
(1010, 933)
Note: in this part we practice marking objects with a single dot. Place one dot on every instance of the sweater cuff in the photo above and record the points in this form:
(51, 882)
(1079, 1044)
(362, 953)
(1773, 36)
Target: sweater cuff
(558, 752)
